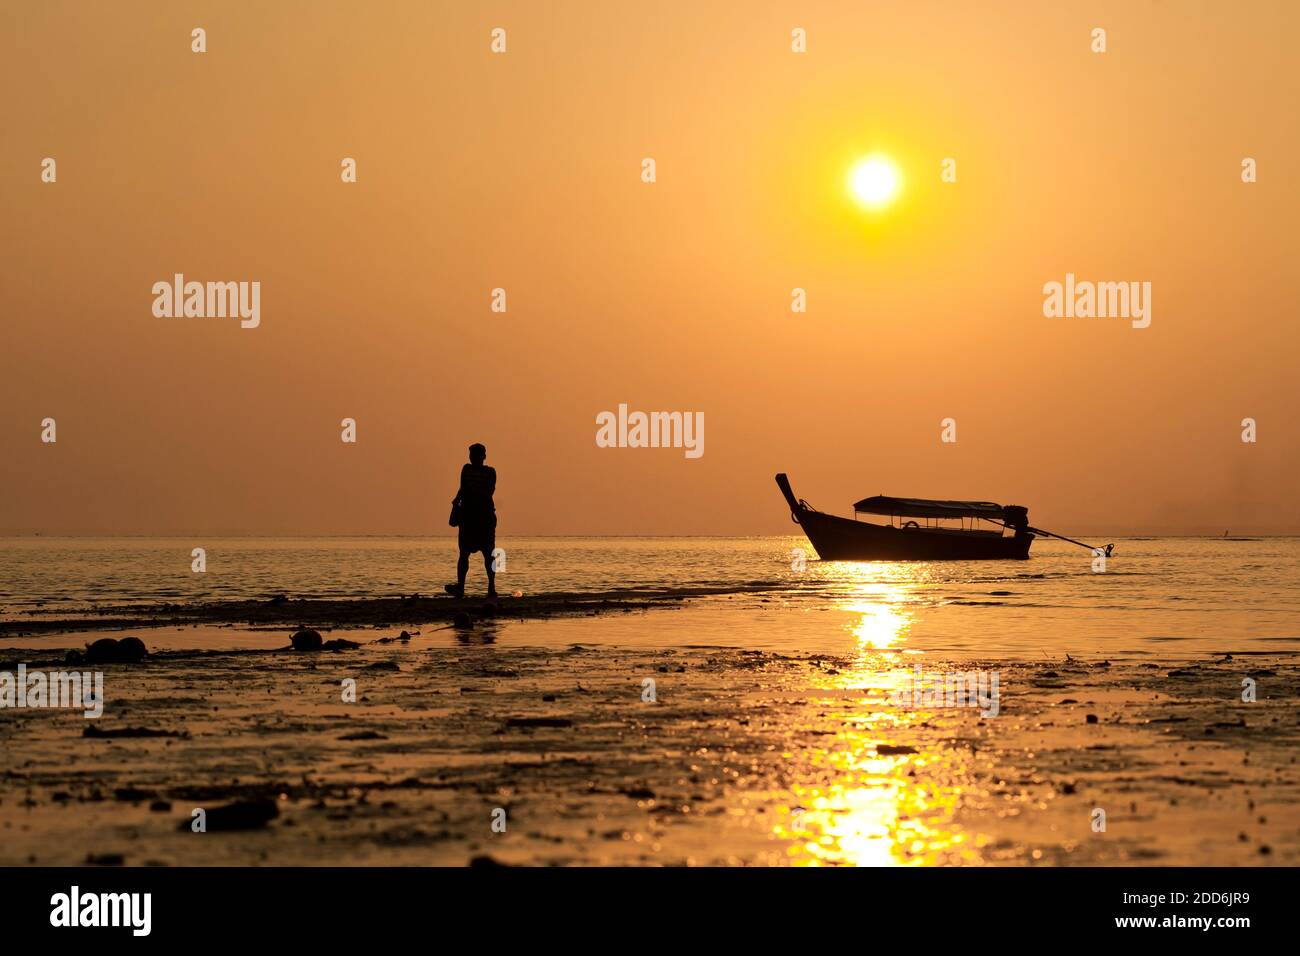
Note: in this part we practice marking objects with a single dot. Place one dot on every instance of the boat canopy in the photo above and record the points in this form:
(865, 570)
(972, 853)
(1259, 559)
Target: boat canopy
(927, 508)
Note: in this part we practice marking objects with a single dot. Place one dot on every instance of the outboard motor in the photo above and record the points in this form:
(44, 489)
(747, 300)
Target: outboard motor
(1016, 516)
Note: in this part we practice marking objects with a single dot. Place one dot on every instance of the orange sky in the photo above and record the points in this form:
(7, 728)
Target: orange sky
(522, 171)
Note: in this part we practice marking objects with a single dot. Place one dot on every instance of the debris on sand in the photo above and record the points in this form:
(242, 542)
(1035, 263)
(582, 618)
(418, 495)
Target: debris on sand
(95, 732)
(339, 644)
(892, 750)
(307, 639)
(133, 794)
(539, 722)
(242, 815)
(107, 650)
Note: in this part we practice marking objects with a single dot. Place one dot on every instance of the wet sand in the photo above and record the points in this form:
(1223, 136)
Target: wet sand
(743, 757)
(414, 609)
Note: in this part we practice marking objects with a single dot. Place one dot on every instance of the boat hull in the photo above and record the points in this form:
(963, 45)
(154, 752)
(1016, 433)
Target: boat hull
(842, 539)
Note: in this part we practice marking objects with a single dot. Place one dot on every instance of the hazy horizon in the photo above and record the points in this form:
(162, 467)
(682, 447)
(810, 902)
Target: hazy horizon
(187, 536)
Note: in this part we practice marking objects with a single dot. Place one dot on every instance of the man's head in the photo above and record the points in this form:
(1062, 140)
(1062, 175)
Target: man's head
(477, 454)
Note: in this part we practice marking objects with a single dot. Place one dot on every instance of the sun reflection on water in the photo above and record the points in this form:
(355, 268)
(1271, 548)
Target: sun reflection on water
(883, 602)
(876, 808)
(881, 627)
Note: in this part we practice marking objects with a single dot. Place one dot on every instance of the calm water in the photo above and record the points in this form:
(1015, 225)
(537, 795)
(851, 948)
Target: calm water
(1164, 596)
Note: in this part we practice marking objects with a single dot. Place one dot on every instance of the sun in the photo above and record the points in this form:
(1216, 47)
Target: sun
(874, 182)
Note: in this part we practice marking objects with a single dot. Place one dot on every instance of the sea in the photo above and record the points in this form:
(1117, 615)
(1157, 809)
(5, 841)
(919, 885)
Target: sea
(1158, 596)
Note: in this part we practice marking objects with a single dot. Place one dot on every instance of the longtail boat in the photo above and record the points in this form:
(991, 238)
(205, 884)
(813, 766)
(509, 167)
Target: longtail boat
(919, 529)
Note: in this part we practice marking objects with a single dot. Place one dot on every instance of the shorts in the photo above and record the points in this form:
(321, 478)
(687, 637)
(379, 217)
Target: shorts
(477, 533)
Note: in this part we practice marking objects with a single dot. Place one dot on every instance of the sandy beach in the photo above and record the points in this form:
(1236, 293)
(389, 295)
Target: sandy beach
(730, 756)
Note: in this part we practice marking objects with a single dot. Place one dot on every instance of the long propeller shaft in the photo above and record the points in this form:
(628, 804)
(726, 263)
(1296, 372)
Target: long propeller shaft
(1053, 534)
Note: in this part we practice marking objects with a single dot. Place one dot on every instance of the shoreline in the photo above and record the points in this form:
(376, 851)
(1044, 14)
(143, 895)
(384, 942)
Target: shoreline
(284, 611)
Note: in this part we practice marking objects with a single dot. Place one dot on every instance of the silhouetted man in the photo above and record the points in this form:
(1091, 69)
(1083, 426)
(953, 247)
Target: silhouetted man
(474, 513)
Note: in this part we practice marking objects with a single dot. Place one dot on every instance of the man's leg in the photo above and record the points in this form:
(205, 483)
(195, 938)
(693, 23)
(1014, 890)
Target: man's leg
(491, 574)
(462, 569)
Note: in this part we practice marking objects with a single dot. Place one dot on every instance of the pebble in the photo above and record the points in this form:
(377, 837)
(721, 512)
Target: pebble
(107, 650)
(307, 640)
